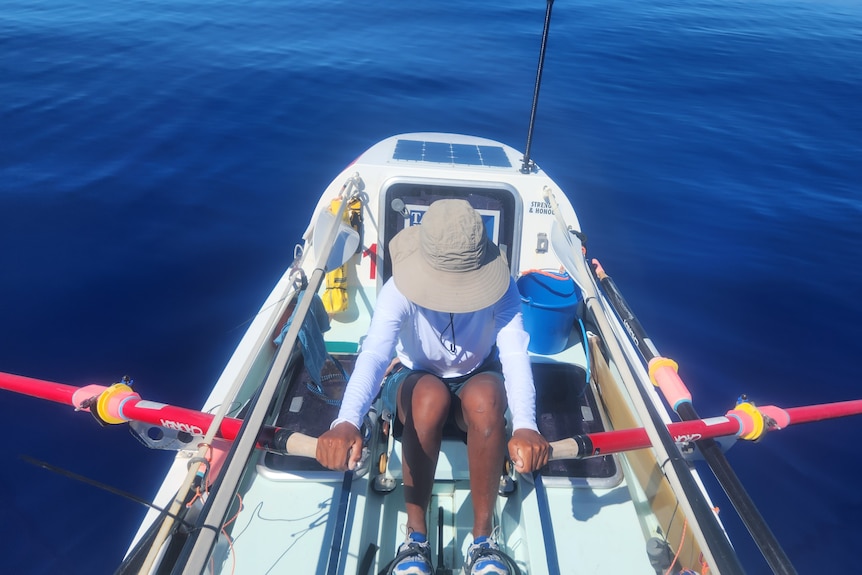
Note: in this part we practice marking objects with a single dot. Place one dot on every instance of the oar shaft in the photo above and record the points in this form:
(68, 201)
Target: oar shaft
(619, 440)
(823, 411)
(58, 392)
(178, 418)
(271, 438)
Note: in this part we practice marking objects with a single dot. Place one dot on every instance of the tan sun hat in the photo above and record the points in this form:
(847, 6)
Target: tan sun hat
(448, 263)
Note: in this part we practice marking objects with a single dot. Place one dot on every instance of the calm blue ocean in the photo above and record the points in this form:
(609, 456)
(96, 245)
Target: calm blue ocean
(159, 160)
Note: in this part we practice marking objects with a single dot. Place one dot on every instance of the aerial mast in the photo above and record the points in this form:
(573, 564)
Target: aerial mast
(528, 164)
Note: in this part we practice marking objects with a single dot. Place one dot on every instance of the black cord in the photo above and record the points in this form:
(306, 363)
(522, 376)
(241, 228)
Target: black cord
(102, 486)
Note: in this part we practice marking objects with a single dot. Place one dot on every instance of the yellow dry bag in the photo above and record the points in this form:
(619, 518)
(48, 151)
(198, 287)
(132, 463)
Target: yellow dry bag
(335, 297)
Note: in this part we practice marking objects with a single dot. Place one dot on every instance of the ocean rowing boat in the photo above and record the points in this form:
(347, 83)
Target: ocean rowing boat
(244, 494)
(620, 495)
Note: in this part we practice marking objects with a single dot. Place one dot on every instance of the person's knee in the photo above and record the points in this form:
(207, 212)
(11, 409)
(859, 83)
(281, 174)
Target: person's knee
(427, 402)
(483, 402)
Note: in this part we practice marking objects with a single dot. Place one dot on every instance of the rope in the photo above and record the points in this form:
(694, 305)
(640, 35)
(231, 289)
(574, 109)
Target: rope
(228, 537)
(320, 393)
(678, 549)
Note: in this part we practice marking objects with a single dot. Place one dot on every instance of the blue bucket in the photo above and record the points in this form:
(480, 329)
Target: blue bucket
(550, 303)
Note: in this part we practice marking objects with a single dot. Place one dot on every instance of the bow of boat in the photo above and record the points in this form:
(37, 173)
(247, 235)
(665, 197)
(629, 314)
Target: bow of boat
(282, 513)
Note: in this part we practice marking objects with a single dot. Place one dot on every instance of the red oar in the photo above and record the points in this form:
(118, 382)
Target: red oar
(119, 404)
(739, 422)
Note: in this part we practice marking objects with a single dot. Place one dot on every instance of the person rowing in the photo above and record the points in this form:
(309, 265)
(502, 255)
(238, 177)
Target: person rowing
(451, 313)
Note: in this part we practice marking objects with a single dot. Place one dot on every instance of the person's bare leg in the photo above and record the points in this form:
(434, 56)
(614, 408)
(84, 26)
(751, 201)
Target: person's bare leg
(423, 405)
(483, 407)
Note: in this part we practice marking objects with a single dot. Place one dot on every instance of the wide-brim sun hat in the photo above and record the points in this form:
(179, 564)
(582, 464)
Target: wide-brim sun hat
(447, 263)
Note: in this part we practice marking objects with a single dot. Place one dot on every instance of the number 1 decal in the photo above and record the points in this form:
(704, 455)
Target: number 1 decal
(371, 252)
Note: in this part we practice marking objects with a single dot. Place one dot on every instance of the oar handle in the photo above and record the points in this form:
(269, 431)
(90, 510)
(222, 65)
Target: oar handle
(286, 442)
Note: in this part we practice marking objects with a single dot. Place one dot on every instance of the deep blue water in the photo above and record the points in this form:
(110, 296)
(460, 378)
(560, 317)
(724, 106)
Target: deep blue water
(158, 161)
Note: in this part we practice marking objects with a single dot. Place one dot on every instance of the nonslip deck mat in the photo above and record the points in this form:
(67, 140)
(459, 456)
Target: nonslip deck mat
(307, 411)
(565, 406)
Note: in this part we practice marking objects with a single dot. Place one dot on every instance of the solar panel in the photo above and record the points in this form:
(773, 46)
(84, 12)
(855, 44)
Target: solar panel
(443, 153)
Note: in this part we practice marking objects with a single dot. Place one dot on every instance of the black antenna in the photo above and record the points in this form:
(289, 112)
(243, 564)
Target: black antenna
(528, 165)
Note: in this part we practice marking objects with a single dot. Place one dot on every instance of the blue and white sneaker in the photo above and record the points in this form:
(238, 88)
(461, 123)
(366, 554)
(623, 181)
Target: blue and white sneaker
(485, 558)
(413, 557)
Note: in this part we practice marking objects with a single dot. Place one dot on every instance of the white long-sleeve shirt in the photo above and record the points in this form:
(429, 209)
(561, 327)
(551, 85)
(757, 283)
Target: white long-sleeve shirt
(423, 340)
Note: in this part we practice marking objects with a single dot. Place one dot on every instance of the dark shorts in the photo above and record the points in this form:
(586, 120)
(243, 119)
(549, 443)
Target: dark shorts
(399, 374)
